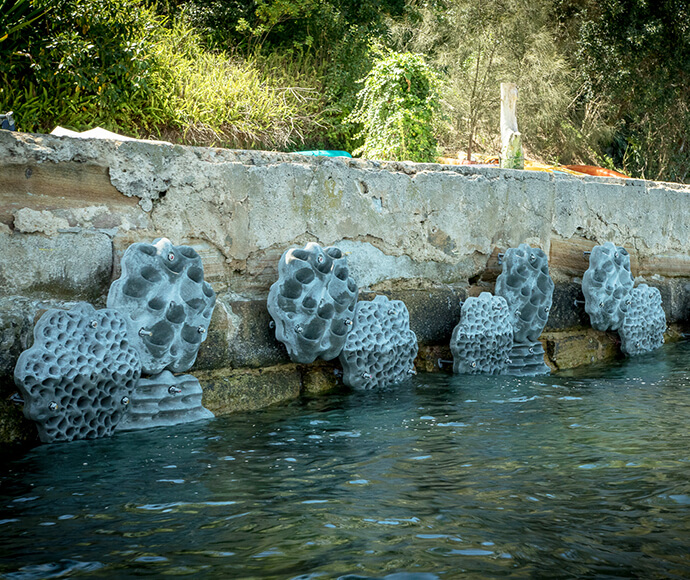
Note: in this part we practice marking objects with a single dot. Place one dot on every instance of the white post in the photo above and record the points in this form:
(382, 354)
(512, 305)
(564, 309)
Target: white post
(511, 140)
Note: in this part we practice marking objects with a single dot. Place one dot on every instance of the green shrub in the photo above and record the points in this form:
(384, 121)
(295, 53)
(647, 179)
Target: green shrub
(329, 40)
(397, 109)
(86, 64)
(116, 64)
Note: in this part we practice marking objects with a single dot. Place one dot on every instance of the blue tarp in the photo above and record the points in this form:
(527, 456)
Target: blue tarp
(325, 153)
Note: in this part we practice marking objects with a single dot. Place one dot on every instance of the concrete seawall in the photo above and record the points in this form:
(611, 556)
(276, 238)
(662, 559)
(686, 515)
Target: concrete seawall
(423, 233)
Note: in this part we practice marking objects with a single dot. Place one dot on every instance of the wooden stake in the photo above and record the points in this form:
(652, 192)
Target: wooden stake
(511, 140)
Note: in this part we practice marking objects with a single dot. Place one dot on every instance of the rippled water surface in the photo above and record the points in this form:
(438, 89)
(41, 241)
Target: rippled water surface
(578, 475)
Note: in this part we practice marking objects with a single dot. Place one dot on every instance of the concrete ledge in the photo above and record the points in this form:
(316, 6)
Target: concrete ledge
(426, 234)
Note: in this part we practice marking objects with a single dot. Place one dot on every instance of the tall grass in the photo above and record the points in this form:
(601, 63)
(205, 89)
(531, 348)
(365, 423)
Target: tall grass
(212, 98)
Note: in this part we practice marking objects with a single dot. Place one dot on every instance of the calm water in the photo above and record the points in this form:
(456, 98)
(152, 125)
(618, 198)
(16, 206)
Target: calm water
(579, 475)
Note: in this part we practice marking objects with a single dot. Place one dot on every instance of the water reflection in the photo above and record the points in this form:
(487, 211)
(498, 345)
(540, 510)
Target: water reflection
(580, 474)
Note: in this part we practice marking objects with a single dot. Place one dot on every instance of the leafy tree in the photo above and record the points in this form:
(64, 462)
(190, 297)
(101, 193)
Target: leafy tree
(480, 44)
(634, 57)
(284, 24)
(397, 108)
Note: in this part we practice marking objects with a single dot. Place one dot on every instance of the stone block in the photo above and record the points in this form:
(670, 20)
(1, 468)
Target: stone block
(675, 297)
(28, 221)
(227, 391)
(430, 359)
(70, 266)
(567, 258)
(567, 308)
(65, 187)
(666, 265)
(240, 335)
(566, 350)
(14, 427)
(16, 326)
(318, 379)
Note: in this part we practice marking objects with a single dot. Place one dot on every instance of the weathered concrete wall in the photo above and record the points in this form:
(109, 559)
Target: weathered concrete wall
(423, 233)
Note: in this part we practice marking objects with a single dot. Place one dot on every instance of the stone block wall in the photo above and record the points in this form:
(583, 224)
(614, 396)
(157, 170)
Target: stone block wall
(426, 234)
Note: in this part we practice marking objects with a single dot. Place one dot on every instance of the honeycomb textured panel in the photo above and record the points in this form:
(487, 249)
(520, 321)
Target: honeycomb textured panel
(528, 289)
(482, 340)
(607, 284)
(313, 302)
(380, 350)
(78, 377)
(527, 360)
(166, 302)
(164, 400)
(645, 322)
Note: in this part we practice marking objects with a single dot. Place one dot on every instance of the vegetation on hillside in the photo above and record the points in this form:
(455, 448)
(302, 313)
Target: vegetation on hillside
(604, 82)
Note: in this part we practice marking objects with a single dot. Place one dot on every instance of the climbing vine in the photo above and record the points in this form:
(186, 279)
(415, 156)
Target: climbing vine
(397, 109)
